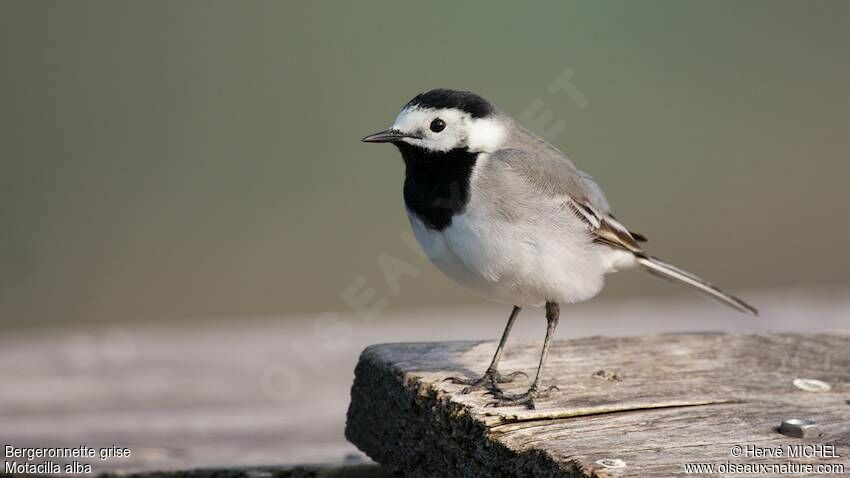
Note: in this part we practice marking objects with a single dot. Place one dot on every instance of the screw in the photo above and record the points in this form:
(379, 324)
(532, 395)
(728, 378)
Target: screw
(811, 385)
(799, 428)
(611, 463)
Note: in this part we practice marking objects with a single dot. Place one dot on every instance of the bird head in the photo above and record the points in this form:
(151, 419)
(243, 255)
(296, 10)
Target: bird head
(443, 120)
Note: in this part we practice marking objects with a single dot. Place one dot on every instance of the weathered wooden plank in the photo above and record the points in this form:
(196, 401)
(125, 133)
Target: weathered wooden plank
(188, 395)
(679, 399)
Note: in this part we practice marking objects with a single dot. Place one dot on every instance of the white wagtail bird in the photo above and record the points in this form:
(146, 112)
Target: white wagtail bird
(508, 215)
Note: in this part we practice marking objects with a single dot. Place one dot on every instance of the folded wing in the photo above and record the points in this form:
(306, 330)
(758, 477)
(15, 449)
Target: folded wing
(554, 175)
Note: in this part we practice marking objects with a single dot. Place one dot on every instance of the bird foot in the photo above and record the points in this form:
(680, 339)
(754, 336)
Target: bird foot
(502, 399)
(489, 381)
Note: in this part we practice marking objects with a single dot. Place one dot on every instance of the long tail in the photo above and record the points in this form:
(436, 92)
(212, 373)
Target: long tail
(667, 271)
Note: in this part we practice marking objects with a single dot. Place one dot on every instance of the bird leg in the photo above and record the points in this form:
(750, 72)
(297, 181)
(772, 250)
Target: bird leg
(492, 378)
(552, 313)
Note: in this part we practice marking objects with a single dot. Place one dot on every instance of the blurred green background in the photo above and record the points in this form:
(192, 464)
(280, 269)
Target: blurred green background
(189, 159)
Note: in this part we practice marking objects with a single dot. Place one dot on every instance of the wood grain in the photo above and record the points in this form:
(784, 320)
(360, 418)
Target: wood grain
(186, 395)
(679, 399)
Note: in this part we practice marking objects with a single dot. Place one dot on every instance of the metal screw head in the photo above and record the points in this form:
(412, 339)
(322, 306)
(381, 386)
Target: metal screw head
(611, 463)
(799, 428)
(811, 385)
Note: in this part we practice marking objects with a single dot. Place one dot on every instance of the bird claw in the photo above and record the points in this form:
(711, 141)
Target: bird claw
(527, 398)
(489, 381)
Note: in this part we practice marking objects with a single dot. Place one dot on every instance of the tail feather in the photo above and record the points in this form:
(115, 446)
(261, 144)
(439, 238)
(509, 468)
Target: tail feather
(670, 272)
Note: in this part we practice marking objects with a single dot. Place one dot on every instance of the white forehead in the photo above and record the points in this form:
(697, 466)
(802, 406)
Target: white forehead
(413, 118)
(477, 134)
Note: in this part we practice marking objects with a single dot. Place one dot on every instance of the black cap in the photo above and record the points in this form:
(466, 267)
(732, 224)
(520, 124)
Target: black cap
(466, 101)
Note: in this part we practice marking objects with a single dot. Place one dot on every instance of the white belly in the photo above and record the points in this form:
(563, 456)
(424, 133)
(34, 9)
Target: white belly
(519, 263)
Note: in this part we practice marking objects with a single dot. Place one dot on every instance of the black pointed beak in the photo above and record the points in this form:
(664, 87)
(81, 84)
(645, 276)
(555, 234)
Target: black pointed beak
(387, 136)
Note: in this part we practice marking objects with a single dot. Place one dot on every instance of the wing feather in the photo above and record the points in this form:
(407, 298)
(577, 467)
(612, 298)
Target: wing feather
(556, 176)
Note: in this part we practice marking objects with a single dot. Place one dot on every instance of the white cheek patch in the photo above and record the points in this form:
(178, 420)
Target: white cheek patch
(445, 141)
(484, 135)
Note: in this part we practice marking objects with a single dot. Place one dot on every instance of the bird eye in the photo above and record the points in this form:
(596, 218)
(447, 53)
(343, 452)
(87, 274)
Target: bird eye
(438, 125)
